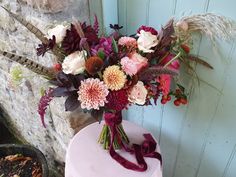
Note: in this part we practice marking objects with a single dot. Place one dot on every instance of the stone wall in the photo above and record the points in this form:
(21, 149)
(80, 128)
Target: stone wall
(19, 101)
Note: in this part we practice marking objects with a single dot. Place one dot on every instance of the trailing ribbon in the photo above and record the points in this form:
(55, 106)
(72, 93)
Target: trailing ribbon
(146, 149)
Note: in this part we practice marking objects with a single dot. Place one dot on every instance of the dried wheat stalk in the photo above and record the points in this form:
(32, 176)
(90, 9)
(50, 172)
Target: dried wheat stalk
(212, 25)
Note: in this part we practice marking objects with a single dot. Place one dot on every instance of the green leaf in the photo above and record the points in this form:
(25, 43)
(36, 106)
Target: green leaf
(101, 54)
(114, 45)
(42, 91)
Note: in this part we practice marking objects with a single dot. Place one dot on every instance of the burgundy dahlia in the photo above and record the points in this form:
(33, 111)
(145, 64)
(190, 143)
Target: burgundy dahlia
(71, 42)
(147, 29)
(117, 100)
(90, 34)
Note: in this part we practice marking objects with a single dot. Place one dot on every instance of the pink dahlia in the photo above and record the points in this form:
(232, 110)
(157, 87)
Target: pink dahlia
(127, 41)
(147, 29)
(164, 81)
(92, 94)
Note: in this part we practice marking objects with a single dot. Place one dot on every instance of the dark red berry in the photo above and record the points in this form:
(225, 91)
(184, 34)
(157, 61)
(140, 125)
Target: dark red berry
(183, 101)
(163, 101)
(168, 98)
(185, 48)
(177, 102)
(57, 67)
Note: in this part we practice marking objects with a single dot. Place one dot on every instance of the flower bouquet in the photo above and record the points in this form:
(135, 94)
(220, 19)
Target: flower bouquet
(104, 74)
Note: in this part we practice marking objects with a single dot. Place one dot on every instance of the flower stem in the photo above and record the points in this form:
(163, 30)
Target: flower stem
(169, 62)
(105, 135)
(123, 134)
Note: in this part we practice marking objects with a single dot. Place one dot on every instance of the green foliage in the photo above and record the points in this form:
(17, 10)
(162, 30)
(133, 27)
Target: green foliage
(114, 45)
(101, 54)
(16, 75)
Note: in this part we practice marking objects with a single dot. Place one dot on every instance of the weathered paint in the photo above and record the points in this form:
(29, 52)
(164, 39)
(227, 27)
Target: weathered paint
(197, 140)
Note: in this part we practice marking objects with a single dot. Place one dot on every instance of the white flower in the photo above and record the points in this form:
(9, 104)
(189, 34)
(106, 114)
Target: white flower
(138, 94)
(59, 32)
(146, 41)
(74, 63)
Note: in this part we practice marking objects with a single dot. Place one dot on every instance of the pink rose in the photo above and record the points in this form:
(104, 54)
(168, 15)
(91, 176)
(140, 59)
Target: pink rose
(138, 94)
(132, 65)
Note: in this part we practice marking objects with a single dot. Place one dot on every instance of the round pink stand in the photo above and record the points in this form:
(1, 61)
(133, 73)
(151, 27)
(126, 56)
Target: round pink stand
(86, 158)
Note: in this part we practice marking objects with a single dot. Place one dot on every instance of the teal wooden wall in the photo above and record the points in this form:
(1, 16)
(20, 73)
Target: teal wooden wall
(197, 140)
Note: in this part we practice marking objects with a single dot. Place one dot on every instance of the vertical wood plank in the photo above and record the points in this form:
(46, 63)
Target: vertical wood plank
(191, 136)
(136, 14)
(221, 138)
(229, 162)
(122, 15)
(218, 139)
(152, 119)
(160, 12)
(231, 171)
(186, 7)
(135, 114)
(174, 118)
(108, 17)
(133, 17)
(95, 8)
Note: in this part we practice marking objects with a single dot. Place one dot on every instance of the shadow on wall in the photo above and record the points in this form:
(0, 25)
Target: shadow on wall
(6, 136)
(8, 132)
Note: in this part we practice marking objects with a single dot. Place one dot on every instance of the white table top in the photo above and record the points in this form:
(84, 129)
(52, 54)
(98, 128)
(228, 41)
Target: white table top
(86, 158)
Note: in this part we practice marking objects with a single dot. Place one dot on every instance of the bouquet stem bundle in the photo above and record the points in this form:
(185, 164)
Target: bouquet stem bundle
(105, 137)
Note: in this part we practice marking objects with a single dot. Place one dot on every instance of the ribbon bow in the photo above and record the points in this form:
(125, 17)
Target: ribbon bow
(146, 149)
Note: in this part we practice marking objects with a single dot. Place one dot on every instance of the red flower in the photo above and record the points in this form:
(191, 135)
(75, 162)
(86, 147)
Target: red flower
(117, 100)
(147, 29)
(71, 42)
(164, 81)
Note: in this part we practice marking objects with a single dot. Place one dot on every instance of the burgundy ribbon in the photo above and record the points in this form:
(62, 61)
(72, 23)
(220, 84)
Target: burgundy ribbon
(146, 149)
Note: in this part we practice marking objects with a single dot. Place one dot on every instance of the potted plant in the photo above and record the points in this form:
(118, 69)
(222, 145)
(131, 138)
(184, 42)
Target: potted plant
(22, 160)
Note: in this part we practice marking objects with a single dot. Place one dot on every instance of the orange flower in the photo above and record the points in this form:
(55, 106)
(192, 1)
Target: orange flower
(114, 78)
(93, 65)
